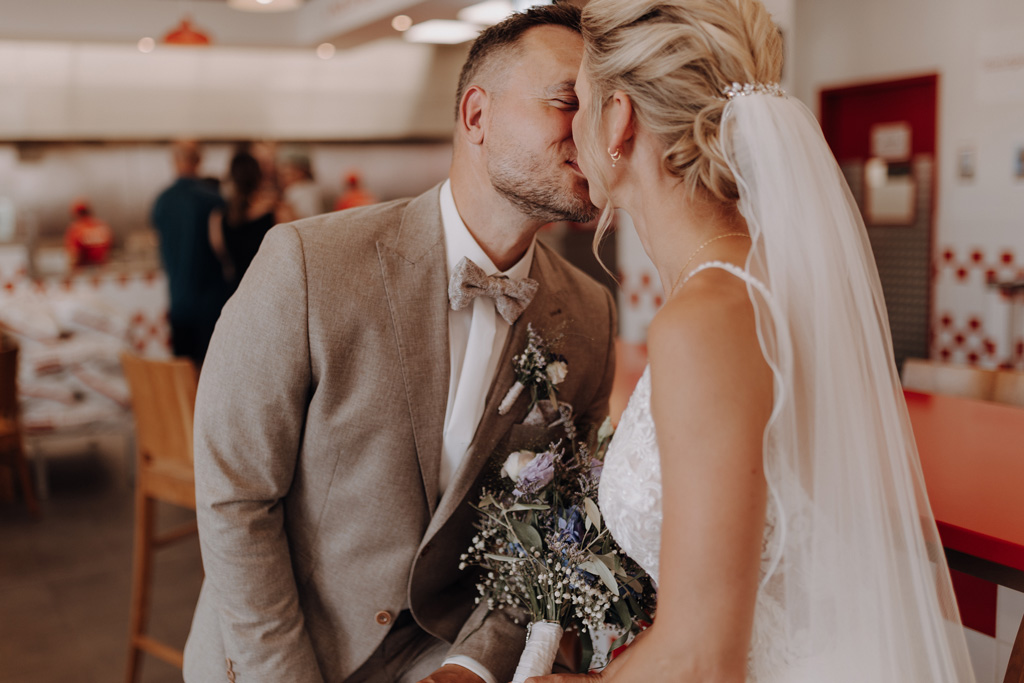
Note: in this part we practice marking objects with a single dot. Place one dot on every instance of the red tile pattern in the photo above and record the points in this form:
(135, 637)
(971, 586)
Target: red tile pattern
(963, 336)
(641, 289)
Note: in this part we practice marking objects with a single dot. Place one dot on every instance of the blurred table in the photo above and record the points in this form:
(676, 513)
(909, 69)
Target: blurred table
(71, 328)
(972, 456)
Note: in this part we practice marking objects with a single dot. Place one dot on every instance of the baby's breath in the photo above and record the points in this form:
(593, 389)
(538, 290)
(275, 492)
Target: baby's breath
(544, 553)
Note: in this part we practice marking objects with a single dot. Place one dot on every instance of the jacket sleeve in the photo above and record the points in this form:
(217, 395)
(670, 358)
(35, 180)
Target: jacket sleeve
(250, 411)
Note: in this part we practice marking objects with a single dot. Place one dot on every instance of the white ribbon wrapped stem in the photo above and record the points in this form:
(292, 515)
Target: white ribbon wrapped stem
(542, 640)
(510, 397)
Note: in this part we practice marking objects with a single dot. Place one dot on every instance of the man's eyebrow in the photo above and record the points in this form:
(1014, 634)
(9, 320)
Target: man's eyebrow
(562, 88)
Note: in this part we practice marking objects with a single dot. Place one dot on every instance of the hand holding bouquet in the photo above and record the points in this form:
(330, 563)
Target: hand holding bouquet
(544, 550)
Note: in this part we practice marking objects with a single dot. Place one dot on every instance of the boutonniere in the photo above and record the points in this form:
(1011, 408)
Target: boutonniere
(538, 368)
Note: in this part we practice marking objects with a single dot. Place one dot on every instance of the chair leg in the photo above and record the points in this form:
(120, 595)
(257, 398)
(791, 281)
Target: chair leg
(142, 572)
(6, 484)
(1015, 669)
(21, 464)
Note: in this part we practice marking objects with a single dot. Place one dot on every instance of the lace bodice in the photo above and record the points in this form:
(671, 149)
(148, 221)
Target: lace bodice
(630, 499)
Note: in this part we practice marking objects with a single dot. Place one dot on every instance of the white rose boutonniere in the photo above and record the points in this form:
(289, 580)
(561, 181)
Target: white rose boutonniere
(557, 371)
(538, 368)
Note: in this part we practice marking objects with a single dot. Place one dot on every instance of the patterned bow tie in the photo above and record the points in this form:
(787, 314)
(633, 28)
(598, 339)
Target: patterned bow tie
(511, 297)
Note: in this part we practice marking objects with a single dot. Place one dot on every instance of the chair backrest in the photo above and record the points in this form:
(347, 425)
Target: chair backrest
(1009, 387)
(164, 401)
(936, 377)
(8, 379)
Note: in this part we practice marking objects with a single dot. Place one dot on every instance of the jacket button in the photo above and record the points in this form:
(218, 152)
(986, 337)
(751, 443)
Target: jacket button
(383, 618)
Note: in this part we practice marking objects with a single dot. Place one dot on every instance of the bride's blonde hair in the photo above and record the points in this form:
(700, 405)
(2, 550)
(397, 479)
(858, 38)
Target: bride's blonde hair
(673, 58)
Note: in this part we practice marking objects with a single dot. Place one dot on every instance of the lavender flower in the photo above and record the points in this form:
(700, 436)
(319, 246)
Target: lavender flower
(537, 474)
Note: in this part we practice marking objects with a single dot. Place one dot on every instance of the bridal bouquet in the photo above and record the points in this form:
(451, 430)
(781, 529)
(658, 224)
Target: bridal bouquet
(543, 549)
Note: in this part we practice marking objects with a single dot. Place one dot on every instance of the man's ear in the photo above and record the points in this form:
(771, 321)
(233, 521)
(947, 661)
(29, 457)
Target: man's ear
(473, 111)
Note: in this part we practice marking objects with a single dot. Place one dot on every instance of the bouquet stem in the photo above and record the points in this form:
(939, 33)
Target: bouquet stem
(542, 641)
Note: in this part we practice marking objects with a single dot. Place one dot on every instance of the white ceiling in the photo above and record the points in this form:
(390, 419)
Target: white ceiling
(342, 22)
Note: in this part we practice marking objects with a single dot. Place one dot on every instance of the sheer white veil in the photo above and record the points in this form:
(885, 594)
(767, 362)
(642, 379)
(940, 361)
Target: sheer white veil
(857, 566)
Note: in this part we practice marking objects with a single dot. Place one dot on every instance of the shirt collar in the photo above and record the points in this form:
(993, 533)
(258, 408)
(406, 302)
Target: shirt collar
(459, 242)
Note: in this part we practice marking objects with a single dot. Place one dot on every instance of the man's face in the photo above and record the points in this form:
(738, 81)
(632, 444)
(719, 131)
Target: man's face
(531, 158)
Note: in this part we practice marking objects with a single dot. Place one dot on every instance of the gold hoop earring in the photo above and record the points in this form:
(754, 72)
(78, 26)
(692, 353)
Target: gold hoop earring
(615, 155)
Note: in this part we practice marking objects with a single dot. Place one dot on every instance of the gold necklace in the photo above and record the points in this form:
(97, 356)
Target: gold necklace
(682, 271)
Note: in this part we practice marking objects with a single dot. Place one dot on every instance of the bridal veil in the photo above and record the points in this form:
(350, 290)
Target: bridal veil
(857, 566)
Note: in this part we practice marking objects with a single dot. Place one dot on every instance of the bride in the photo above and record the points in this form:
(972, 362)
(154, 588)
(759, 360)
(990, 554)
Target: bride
(764, 472)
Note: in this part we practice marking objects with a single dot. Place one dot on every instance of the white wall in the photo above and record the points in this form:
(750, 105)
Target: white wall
(383, 90)
(977, 48)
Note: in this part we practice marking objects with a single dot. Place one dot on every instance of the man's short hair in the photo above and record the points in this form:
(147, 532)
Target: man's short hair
(506, 35)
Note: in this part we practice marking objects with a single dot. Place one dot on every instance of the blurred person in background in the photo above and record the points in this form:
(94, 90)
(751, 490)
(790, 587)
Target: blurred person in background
(88, 239)
(354, 194)
(253, 207)
(300, 190)
(193, 254)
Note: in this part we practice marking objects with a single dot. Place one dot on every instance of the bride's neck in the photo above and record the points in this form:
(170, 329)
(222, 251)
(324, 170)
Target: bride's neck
(672, 225)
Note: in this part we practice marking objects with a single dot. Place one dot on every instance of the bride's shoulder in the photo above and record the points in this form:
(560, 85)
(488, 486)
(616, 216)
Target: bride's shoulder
(710, 322)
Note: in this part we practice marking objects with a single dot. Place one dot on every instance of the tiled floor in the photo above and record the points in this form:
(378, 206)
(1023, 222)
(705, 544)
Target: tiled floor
(64, 582)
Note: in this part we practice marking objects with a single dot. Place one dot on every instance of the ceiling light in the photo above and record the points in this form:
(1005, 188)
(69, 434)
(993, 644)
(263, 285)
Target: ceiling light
(325, 50)
(487, 13)
(401, 23)
(442, 32)
(265, 5)
(146, 45)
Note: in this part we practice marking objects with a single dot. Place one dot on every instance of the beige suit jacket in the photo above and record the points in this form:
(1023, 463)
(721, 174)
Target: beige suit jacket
(318, 440)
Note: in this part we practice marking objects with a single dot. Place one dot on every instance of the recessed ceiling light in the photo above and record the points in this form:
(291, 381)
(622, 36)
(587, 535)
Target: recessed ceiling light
(487, 13)
(401, 23)
(265, 5)
(442, 32)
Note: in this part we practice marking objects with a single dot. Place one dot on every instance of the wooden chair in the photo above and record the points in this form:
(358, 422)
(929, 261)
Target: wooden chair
(1009, 387)
(163, 401)
(12, 442)
(936, 377)
(1015, 668)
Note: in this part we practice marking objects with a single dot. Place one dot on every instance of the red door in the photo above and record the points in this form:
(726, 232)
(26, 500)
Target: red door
(903, 249)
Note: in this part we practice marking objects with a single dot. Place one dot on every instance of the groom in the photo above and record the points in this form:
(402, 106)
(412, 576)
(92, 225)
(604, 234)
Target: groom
(347, 410)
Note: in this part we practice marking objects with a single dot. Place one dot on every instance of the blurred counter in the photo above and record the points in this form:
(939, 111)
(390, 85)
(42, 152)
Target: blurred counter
(72, 326)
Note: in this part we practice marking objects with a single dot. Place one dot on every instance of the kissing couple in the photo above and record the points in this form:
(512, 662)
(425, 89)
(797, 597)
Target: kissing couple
(354, 394)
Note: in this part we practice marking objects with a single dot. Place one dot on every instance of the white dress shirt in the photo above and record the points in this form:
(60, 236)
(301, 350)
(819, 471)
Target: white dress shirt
(476, 338)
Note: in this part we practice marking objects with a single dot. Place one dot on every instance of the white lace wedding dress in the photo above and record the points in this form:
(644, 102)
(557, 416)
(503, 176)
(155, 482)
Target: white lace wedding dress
(854, 584)
(630, 500)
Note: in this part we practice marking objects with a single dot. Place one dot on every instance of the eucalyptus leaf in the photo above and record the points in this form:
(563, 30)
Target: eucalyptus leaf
(599, 568)
(502, 558)
(587, 654)
(593, 513)
(623, 609)
(634, 606)
(526, 534)
(519, 507)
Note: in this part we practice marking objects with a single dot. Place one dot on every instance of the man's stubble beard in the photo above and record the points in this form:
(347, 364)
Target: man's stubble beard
(539, 192)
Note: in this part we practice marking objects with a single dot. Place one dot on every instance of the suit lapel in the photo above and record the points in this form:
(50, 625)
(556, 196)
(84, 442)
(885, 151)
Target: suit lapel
(546, 315)
(416, 284)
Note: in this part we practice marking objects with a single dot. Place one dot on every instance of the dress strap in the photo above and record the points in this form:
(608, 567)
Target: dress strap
(730, 268)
